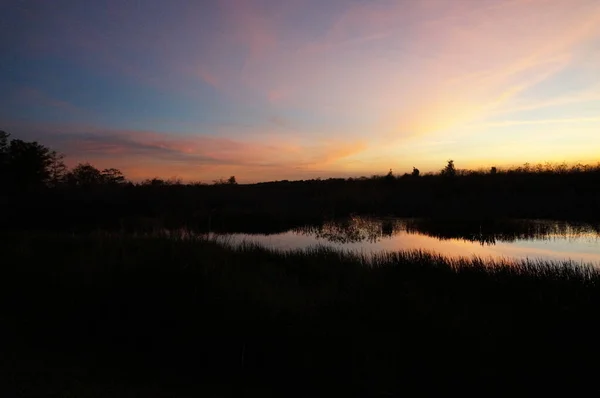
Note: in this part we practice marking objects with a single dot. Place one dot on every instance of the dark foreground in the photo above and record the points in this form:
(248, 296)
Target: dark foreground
(118, 316)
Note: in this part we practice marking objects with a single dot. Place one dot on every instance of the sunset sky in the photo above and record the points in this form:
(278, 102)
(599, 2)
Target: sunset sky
(295, 89)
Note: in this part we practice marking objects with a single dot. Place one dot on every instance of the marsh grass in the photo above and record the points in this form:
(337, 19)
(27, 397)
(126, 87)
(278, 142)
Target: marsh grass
(182, 308)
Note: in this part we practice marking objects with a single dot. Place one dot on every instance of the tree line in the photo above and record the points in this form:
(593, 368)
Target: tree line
(30, 165)
(85, 196)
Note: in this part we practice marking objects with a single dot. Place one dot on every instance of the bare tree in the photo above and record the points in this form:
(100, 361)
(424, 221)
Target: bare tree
(4, 141)
(4, 146)
(57, 169)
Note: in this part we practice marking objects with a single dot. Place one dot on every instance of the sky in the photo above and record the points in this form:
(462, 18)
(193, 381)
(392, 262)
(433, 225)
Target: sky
(297, 89)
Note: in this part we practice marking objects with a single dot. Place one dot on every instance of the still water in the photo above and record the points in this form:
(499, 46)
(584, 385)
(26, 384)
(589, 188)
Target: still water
(513, 239)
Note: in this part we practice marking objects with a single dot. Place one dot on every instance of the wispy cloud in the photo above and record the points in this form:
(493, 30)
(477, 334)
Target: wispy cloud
(207, 76)
(309, 86)
(250, 25)
(573, 120)
(33, 97)
(192, 157)
(586, 95)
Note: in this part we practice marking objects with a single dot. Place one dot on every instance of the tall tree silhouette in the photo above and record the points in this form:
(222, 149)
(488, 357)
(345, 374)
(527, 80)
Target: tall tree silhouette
(28, 164)
(389, 177)
(4, 147)
(57, 169)
(449, 170)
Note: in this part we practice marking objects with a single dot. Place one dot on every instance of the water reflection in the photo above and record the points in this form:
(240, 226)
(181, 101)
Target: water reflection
(372, 230)
(509, 238)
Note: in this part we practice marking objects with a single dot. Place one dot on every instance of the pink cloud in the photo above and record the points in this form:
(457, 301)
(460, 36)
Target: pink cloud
(207, 76)
(278, 96)
(382, 75)
(463, 61)
(360, 24)
(251, 27)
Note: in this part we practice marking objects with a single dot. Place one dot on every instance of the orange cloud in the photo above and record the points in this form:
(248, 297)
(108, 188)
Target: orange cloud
(332, 152)
(147, 154)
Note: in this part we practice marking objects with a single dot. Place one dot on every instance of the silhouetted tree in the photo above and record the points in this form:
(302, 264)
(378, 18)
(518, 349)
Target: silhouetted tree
(175, 181)
(493, 170)
(154, 182)
(28, 164)
(415, 172)
(389, 176)
(4, 146)
(4, 141)
(57, 169)
(221, 181)
(449, 170)
(112, 176)
(85, 175)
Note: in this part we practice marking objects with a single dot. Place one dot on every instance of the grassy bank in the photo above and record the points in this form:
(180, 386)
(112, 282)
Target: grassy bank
(172, 316)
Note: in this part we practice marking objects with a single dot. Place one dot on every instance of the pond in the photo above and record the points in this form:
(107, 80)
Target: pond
(513, 239)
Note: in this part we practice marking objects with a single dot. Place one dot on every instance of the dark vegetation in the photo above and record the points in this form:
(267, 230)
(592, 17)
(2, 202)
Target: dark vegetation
(95, 302)
(42, 193)
(172, 316)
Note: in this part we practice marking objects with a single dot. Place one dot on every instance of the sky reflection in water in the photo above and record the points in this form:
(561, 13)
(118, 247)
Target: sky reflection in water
(518, 239)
